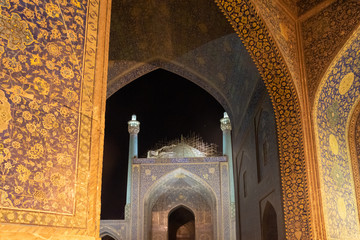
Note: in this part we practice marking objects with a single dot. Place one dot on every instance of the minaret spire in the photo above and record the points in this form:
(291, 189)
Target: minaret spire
(225, 126)
(134, 129)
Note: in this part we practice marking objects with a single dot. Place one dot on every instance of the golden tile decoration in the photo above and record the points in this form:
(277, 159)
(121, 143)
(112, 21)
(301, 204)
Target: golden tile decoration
(47, 78)
(323, 35)
(339, 88)
(262, 48)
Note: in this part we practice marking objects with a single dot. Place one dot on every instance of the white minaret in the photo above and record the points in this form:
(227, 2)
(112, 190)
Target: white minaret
(134, 129)
(227, 151)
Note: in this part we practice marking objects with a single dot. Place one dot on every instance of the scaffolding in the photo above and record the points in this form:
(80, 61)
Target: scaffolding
(193, 140)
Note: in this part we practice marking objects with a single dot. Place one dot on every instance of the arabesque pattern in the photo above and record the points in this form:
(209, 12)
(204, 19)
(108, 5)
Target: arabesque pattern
(261, 47)
(323, 34)
(338, 95)
(41, 80)
(47, 78)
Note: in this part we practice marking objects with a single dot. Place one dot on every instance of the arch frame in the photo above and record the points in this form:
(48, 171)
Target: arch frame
(294, 167)
(349, 123)
(143, 68)
(188, 208)
(213, 204)
(109, 231)
(293, 164)
(181, 205)
(354, 122)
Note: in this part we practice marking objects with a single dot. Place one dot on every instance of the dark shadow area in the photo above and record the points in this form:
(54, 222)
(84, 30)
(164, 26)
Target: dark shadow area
(269, 225)
(142, 29)
(107, 238)
(181, 224)
(167, 106)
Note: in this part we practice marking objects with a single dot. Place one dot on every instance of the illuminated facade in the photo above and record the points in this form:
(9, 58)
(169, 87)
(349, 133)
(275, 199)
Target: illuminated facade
(174, 177)
(55, 77)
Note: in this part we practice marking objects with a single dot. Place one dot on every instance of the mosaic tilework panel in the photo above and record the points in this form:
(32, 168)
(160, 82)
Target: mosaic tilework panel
(179, 160)
(41, 48)
(291, 5)
(153, 180)
(163, 28)
(283, 30)
(300, 7)
(181, 191)
(225, 196)
(306, 5)
(135, 199)
(208, 172)
(357, 138)
(339, 91)
(273, 71)
(45, 110)
(323, 34)
(228, 66)
(354, 145)
(114, 228)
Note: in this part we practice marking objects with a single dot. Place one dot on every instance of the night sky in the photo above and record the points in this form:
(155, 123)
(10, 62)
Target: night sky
(167, 106)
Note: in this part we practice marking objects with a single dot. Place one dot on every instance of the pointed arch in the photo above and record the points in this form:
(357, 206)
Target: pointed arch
(186, 72)
(354, 145)
(206, 195)
(179, 173)
(187, 215)
(281, 88)
(109, 231)
(335, 101)
(269, 226)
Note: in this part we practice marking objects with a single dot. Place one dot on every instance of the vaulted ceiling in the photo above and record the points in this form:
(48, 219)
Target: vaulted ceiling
(192, 34)
(192, 39)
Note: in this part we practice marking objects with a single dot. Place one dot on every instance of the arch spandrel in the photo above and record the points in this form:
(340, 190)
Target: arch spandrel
(335, 101)
(257, 40)
(180, 173)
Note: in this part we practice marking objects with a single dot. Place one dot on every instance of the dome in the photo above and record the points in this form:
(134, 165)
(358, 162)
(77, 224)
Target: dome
(181, 150)
(184, 148)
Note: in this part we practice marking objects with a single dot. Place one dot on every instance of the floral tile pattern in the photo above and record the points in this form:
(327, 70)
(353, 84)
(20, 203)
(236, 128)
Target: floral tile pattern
(41, 49)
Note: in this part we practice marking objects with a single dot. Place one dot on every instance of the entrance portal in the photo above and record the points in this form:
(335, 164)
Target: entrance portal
(181, 224)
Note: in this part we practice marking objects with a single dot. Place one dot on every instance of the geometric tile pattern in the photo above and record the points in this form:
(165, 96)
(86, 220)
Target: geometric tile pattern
(202, 186)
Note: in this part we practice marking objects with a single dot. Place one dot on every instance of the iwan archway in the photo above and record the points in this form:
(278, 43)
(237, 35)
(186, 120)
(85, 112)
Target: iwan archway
(232, 78)
(86, 68)
(183, 189)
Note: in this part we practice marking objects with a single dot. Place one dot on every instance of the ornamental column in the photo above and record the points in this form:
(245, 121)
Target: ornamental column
(227, 151)
(134, 129)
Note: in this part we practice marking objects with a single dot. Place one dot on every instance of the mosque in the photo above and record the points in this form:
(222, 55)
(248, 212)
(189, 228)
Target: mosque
(180, 191)
(287, 72)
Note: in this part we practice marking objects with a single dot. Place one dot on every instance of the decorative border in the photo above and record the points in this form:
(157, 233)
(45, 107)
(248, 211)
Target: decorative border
(260, 45)
(354, 154)
(179, 160)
